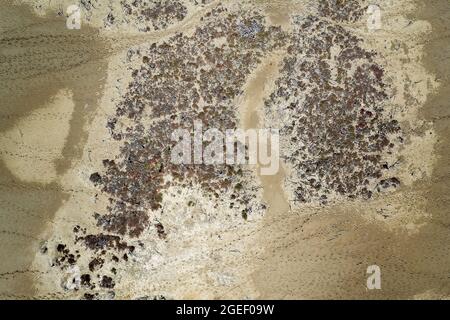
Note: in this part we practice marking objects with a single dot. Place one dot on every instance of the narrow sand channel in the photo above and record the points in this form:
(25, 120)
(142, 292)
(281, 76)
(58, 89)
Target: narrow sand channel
(252, 114)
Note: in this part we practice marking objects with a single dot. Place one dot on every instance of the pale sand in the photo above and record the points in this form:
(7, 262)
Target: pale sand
(311, 252)
(324, 252)
(49, 92)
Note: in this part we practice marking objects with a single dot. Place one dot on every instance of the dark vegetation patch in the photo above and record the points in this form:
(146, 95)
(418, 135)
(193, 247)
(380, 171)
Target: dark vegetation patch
(104, 241)
(331, 88)
(64, 257)
(159, 13)
(180, 81)
(107, 282)
(102, 249)
(337, 131)
(341, 10)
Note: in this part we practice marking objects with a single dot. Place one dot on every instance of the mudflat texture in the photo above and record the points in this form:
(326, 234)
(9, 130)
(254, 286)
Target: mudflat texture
(92, 207)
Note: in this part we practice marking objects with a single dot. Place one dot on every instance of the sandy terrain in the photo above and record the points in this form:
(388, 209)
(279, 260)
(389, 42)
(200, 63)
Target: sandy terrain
(61, 88)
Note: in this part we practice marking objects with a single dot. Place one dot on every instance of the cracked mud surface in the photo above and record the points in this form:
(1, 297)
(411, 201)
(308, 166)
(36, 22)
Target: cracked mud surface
(93, 208)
